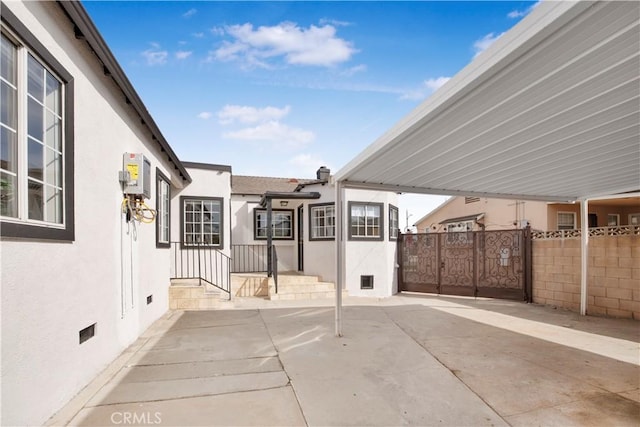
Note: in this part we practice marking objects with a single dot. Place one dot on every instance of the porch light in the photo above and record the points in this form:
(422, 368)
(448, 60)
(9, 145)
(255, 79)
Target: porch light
(283, 203)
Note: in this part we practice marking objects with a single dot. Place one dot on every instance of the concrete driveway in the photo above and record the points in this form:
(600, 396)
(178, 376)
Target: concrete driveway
(406, 360)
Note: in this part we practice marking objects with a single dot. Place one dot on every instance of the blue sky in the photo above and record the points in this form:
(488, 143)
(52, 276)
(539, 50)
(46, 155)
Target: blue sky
(281, 88)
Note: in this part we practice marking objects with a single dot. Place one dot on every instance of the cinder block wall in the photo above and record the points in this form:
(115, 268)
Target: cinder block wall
(613, 281)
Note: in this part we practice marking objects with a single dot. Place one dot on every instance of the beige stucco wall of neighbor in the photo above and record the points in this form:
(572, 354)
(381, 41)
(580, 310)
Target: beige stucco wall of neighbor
(613, 274)
(601, 212)
(500, 214)
(51, 290)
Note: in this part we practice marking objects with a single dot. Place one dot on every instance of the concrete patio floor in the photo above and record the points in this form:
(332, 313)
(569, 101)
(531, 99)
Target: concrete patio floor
(405, 360)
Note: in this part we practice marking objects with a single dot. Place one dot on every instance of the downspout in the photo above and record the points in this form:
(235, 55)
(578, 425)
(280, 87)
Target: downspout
(339, 257)
(584, 254)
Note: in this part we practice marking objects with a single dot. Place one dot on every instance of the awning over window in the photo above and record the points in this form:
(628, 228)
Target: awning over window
(474, 217)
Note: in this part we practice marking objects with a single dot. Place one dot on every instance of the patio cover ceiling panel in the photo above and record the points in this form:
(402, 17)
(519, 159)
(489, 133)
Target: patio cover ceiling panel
(551, 111)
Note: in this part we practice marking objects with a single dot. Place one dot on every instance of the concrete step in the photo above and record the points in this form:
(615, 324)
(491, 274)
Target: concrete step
(249, 285)
(185, 282)
(196, 298)
(304, 296)
(292, 288)
(285, 279)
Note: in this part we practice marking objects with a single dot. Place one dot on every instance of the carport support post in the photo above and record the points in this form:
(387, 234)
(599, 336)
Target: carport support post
(339, 257)
(269, 239)
(584, 253)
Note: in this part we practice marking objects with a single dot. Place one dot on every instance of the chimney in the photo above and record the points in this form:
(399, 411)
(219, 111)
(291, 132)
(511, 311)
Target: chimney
(323, 173)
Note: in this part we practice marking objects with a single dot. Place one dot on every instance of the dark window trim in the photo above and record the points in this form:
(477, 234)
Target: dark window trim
(320, 239)
(382, 224)
(255, 228)
(366, 282)
(163, 177)
(182, 200)
(21, 229)
(394, 208)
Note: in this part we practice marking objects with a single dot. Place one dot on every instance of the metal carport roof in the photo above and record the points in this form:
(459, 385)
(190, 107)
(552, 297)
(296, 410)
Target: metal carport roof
(551, 111)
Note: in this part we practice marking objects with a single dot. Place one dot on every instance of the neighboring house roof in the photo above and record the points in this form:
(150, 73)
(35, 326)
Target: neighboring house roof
(437, 208)
(86, 30)
(258, 185)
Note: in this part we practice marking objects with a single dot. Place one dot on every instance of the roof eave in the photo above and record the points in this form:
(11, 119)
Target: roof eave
(85, 28)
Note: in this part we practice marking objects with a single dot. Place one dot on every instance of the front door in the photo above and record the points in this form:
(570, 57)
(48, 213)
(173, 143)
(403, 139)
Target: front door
(300, 238)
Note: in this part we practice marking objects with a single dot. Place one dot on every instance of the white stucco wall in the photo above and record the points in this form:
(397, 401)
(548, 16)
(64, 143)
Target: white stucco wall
(371, 258)
(319, 255)
(376, 258)
(242, 207)
(242, 229)
(51, 290)
(206, 183)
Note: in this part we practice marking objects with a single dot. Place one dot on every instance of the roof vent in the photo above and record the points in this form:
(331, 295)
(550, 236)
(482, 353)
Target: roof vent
(323, 173)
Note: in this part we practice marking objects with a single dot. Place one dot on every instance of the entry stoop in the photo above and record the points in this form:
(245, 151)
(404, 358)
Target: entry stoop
(293, 286)
(189, 294)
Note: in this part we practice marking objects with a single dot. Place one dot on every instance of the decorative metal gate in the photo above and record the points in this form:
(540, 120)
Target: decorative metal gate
(493, 264)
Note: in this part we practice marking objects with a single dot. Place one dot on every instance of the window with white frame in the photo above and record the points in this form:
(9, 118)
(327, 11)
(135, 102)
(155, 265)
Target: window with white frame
(366, 221)
(163, 210)
(201, 221)
(33, 143)
(566, 220)
(613, 220)
(634, 219)
(394, 224)
(281, 224)
(322, 222)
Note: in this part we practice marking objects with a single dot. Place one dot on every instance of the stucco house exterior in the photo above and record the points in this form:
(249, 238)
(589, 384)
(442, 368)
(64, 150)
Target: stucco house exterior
(79, 283)
(94, 203)
(303, 225)
(459, 213)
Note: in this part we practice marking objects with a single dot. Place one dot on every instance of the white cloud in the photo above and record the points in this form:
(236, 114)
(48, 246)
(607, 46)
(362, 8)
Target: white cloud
(155, 56)
(435, 84)
(316, 46)
(413, 95)
(354, 70)
(205, 115)
(483, 44)
(428, 86)
(273, 131)
(217, 31)
(514, 14)
(246, 114)
(334, 22)
(189, 13)
(183, 54)
(198, 35)
(306, 164)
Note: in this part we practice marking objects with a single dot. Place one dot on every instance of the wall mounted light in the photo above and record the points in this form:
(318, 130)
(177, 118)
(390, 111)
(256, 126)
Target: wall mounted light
(284, 203)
